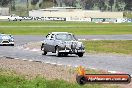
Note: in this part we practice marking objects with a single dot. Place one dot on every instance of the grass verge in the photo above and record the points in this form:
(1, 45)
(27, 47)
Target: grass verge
(78, 28)
(109, 46)
(9, 79)
(99, 46)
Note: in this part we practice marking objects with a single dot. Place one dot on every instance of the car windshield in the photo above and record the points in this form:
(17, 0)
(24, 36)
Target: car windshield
(5, 36)
(65, 37)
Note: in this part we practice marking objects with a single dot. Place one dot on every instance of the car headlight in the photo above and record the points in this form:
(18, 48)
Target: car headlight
(61, 44)
(80, 44)
(11, 40)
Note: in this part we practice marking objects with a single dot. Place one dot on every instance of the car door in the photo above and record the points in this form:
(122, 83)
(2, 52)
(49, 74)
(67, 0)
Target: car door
(52, 43)
(49, 43)
(46, 43)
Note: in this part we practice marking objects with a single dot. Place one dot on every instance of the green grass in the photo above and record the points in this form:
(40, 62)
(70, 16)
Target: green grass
(78, 28)
(10, 80)
(109, 46)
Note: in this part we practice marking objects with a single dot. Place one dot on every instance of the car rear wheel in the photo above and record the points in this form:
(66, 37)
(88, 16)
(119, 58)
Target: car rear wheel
(80, 54)
(58, 54)
(42, 47)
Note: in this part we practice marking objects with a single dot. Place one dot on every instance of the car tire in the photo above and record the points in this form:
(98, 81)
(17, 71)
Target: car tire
(58, 54)
(15, 19)
(65, 54)
(9, 19)
(80, 54)
(12, 44)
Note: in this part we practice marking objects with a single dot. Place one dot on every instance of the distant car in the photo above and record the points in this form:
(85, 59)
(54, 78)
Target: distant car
(62, 43)
(6, 39)
(14, 17)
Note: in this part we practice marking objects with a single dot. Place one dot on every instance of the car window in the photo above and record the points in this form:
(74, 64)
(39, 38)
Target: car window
(6, 37)
(48, 36)
(65, 37)
(52, 36)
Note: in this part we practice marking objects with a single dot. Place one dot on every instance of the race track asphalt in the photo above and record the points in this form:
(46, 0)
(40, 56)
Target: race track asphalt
(111, 62)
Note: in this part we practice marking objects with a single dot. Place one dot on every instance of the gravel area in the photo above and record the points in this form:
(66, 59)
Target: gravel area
(33, 69)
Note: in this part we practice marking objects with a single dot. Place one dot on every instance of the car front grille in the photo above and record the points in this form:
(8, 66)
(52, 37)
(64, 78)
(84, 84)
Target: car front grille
(73, 45)
(5, 41)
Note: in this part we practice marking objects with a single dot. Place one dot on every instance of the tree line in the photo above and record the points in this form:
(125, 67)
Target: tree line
(103, 5)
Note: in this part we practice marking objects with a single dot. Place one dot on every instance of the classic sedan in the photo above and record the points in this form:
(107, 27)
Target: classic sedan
(6, 39)
(62, 43)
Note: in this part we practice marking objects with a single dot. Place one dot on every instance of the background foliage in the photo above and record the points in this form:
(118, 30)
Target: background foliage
(104, 5)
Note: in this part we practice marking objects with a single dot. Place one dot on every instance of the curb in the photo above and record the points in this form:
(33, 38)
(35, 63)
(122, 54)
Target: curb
(109, 71)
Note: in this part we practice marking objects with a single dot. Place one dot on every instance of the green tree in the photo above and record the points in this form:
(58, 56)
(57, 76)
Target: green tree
(12, 2)
(101, 4)
(128, 5)
(70, 2)
(4, 3)
(111, 2)
(34, 2)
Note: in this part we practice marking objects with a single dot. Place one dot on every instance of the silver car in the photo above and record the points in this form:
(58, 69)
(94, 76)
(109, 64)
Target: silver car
(6, 39)
(62, 43)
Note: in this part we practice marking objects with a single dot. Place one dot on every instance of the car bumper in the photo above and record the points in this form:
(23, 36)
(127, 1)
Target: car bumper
(10, 43)
(72, 51)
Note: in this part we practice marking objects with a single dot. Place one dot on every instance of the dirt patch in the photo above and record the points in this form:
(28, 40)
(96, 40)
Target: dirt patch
(33, 69)
(32, 45)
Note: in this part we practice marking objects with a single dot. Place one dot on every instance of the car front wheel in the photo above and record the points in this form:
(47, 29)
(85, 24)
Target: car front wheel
(12, 44)
(44, 52)
(58, 54)
(80, 54)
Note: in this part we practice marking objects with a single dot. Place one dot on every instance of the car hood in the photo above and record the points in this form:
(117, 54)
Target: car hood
(77, 43)
(70, 42)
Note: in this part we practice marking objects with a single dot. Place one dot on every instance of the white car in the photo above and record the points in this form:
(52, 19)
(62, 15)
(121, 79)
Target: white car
(6, 39)
(14, 17)
(62, 43)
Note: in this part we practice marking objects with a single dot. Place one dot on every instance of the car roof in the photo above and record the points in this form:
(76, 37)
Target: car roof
(60, 33)
(5, 34)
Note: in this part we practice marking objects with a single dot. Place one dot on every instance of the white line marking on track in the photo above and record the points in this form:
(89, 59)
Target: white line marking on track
(16, 58)
(30, 60)
(53, 63)
(47, 62)
(59, 64)
(95, 39)
(35, 49)
(82, 39)
(24, 59)
(26, 48)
